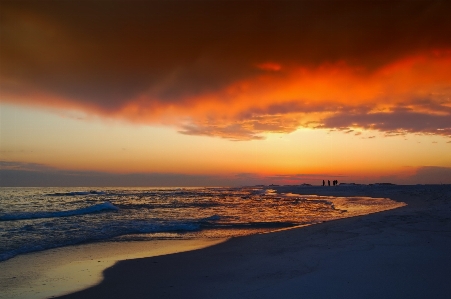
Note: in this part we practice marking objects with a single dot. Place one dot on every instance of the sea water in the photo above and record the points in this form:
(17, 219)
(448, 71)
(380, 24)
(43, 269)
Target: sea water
(35, 219)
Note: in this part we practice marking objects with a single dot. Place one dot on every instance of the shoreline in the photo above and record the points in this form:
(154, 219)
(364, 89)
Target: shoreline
(400, 253)
(290, 262)
(58, 271)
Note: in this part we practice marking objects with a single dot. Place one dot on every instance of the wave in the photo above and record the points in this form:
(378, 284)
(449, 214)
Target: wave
(114, 229)
(105, 233)
(106, 206)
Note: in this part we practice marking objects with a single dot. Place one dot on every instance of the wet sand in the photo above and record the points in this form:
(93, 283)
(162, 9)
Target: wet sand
(58, 271)
(401, 253)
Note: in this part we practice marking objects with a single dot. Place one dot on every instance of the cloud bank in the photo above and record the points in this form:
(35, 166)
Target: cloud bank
(234, 69)
(20, 174)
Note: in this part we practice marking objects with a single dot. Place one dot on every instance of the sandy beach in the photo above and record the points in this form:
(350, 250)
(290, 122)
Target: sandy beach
(401, 253)
(46, 274)
(225, 149)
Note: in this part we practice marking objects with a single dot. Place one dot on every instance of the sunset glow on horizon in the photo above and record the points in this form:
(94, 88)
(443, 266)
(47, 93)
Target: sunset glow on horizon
(226, 93)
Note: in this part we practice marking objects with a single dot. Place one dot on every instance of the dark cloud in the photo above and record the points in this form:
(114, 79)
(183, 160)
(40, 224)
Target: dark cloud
(13, 165)
(144, 57)
(20, 174)
(430, 175)
(400, 120)
(397, 122)
(106, 52)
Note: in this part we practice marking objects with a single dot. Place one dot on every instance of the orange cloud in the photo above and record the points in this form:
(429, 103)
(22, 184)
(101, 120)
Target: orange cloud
(418, 86)
(234, 70)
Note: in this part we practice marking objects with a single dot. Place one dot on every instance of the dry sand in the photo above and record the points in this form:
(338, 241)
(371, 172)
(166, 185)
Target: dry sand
(401, 253)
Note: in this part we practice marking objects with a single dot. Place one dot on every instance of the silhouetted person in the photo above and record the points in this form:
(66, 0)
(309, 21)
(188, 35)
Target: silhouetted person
(336, 182)
(324, 183)
(328, 182)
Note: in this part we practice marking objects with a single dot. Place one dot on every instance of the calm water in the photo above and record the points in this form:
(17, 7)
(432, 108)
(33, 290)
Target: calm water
(33, 219)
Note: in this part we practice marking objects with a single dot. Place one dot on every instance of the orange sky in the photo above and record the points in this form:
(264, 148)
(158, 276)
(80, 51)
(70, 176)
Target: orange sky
(169, 87)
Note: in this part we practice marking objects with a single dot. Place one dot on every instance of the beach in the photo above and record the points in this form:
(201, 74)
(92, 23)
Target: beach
(46, 274)
(216, 149)
(399, 253)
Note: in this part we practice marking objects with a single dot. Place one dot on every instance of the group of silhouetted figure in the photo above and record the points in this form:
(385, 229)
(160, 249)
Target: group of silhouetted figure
(334, 182)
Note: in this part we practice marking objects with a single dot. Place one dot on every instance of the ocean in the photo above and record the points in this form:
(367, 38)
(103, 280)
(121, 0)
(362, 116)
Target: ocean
(35, 219)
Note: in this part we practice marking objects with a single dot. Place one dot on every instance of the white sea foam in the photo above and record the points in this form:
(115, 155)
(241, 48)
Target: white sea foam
(106, 206)
(107, 232)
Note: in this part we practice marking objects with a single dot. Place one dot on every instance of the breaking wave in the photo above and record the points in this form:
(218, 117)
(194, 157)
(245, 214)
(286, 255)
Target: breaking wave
(97, 208)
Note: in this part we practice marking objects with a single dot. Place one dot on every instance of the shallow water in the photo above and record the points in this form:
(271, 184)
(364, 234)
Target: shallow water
(34, 219)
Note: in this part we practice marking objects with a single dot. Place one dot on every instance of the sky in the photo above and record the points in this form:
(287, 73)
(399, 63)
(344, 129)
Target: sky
(224, 93)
